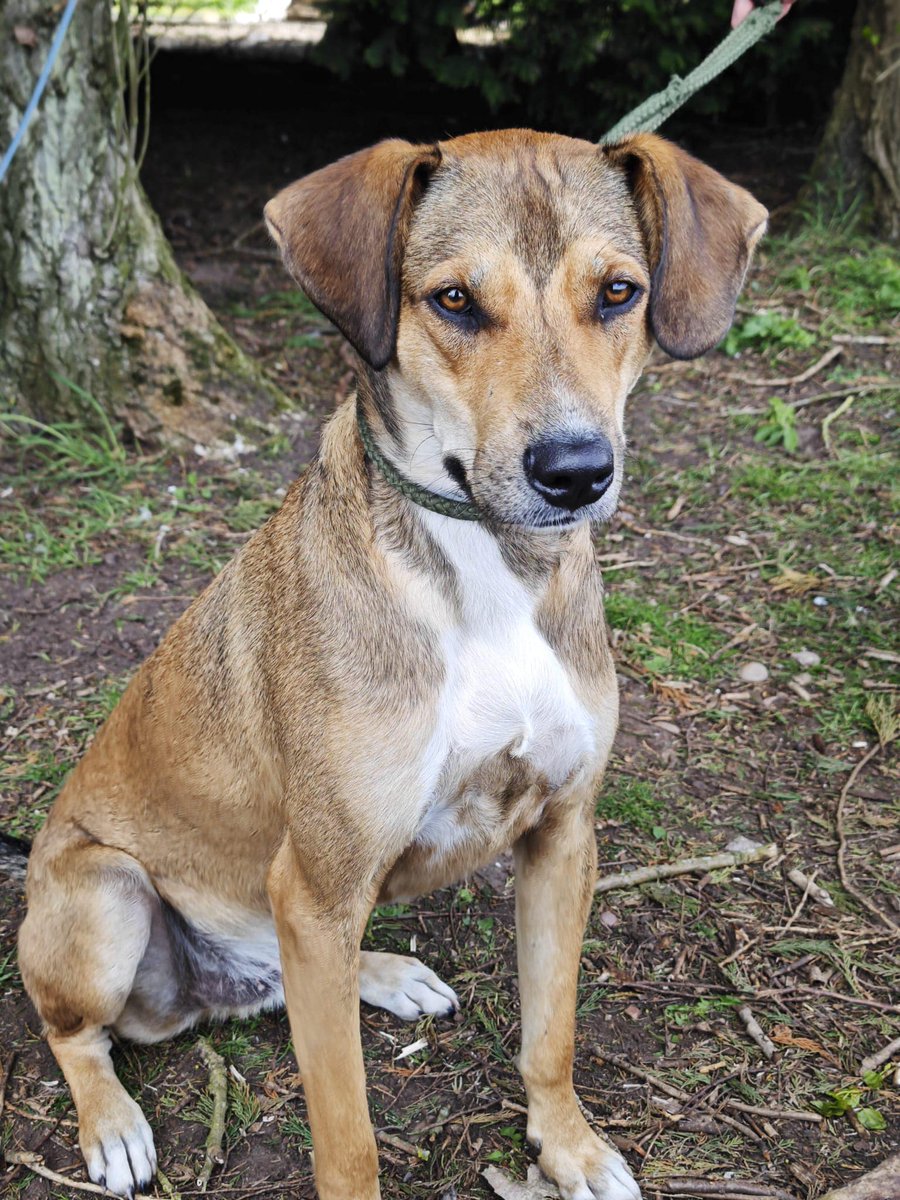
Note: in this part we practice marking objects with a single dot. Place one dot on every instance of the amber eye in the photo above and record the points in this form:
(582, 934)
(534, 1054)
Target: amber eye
(453, 300)
(617, 293)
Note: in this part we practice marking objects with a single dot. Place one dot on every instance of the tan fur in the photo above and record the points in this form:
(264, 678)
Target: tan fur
(266, 764)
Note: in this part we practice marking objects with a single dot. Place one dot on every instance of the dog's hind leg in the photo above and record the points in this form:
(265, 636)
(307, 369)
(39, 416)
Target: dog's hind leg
(90, 914)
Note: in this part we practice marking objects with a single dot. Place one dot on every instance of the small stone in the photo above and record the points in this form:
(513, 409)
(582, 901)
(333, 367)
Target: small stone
(753, 672)
(806, 658)
(742, 845)
(820, 602)
(609, 919)
(804, 679)
(632, 1011)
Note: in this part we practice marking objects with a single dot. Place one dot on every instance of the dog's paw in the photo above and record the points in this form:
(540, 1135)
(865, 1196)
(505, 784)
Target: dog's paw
(582, 1166)
(118, 1149)
(404, 986)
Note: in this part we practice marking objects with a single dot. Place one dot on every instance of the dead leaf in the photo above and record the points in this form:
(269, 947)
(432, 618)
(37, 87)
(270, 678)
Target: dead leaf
(783, 1036)
(535, 1186)
(795, 583)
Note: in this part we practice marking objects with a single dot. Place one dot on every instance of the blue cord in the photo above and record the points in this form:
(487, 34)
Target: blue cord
(64, 22)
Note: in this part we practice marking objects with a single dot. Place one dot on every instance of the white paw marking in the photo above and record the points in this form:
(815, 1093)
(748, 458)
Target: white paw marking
(122, 1157)
(404, 986)
(614, 1182)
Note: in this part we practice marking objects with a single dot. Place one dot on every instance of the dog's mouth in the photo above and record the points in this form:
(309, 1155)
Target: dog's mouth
(457, 473)
(535, 513)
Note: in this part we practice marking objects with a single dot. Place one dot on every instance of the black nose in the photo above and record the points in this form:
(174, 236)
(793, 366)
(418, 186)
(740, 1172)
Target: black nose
(570, 473)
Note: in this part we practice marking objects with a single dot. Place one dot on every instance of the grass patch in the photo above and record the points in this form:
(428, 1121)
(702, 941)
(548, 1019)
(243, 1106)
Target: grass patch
(631, 802)
(661, 640)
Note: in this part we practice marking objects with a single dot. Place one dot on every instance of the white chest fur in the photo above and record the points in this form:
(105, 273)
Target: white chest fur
(505, 690)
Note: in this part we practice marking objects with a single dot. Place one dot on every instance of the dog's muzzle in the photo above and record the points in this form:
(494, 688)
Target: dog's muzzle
(570, 473)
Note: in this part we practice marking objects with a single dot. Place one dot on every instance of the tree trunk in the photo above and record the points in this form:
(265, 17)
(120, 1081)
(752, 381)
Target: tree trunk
(860, 152)
(89, 289)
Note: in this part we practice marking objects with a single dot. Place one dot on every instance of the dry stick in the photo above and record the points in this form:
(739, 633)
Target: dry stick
(25, 1158)
(842, 843)
(756, 1031)
(691, 1185)
(775, 1114)
(879, 1184)
(842, 393)
(829, 421)
(686, 866)
(873, 1061)
(789, 381)
(809, 887)
(5, 1076)
(218, 1087)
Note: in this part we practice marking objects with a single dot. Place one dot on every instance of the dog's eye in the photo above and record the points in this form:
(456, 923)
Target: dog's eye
(453, 300)
(617, 293)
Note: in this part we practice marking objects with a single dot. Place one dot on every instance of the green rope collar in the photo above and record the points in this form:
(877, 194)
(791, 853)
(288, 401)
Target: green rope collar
(659, 107)
(461, 510)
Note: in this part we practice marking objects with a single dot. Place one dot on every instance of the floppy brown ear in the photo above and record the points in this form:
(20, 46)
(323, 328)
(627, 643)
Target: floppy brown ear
(341, 232)
(700, 231)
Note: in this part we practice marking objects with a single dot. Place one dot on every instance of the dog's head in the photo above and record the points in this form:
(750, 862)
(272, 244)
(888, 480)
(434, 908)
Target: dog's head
(503, 290)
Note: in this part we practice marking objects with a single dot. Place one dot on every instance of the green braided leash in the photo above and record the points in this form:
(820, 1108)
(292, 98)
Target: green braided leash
(459, 509)
(651, 114)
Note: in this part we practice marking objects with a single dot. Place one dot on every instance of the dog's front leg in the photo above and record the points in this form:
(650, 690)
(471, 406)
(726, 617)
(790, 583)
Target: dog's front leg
(319, 940)
(555, 871)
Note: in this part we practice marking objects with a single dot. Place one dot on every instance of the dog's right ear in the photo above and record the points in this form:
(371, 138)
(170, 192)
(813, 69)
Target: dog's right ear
(342, 232)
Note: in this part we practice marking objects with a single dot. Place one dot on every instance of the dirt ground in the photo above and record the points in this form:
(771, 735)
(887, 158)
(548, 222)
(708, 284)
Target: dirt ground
(755, 531)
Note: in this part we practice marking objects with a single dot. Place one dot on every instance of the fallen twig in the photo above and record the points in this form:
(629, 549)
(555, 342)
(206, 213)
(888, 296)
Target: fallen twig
(854, 891)
(691, 1185)
(390, 1139)
(33, 1162)
(218, 1089)
(842, 394)
(879, 1184)
(168, 1188)
(5, 1074)
(865, 339)
(756, 1031)
(788, 381)
(873, 1061)
(810, 888)
(831, 418)
(772, 1114)
(686, 866)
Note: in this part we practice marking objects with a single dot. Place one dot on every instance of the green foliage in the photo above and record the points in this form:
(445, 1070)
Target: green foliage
(845, 1100)
(708, 1006)
(767, 331)
(565, 63)
(780, 426)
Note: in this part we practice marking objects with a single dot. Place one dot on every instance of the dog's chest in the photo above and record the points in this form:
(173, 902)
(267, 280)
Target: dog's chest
(510, 728)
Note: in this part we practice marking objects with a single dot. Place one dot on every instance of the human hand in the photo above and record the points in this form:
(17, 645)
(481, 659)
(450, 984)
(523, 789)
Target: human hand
(743, 9)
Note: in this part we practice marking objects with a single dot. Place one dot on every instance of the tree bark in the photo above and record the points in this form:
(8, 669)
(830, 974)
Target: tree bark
(860, 151)
(89, 289)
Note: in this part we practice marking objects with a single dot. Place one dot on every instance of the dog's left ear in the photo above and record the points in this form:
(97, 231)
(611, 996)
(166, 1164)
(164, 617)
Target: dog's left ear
(700, 232)
(342, 232)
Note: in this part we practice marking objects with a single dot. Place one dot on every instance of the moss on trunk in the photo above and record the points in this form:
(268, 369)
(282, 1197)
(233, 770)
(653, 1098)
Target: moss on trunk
(90, 291)
(859, 155)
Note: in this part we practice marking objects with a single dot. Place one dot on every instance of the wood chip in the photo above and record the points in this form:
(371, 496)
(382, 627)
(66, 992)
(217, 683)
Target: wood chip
(808, 886)
(756, 1031)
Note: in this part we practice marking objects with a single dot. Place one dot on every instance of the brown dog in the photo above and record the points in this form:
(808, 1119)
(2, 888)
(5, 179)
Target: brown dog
(373, 699)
